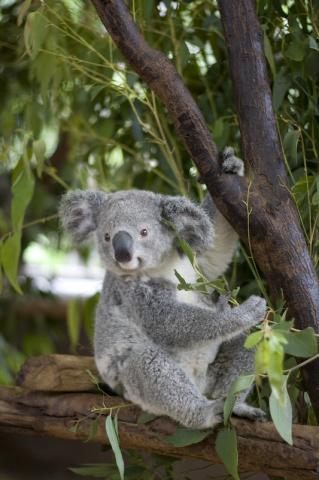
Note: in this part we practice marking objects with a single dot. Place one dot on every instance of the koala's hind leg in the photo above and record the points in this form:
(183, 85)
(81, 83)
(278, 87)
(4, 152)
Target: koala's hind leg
(232, 360)
(152, 380)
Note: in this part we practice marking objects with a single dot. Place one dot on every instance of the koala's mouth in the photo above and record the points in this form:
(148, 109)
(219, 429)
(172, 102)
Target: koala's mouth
(130, 266)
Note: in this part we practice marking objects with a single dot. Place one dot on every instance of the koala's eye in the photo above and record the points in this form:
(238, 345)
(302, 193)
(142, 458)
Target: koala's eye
(144, 232)
(107, 237)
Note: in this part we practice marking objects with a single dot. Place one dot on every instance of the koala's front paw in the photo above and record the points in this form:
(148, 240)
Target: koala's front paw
(231, 164)
(222, 304)
(253, 310)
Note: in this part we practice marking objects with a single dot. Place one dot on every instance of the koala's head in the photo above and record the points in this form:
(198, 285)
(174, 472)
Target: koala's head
(130, 226)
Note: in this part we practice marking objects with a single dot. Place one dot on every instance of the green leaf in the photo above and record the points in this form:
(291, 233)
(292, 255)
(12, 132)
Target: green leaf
(269, 55)
(186, 436)
(301, 344)
(74, 322)
(313, 44)
(241, 383)
(35, 32)
(290, 144)
(281, 413)
(183, 54)
(114, 442)
(94, 470)
(146, 417)
(10, 253)
(281, 84)
(226, 448)
(74, 428)
(22, 191)
(24, 7)
(39, 149)
(262, 357)
(296, 50)
(253, 339)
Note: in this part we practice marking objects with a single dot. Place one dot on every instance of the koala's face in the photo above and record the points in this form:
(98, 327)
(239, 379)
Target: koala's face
(131, 234)
(130, 226)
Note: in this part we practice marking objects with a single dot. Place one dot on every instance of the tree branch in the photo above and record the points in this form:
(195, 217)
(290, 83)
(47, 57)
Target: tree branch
(160, 74)
(54, 412)
(276, 239)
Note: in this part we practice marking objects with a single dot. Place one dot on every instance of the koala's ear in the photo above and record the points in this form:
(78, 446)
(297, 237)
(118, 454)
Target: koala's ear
(79, 212)
(191, 222)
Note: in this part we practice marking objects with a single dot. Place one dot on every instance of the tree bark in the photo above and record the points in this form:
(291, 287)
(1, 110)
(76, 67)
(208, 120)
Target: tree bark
(54, 414)
(277, 241)
(274, 234)
(58, 373)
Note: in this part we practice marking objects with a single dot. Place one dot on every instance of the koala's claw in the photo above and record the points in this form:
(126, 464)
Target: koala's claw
(254, 310)
(222, 302)
(247, 411)
(231, 164)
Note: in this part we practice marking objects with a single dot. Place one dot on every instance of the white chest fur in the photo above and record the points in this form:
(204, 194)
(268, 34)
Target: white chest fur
(185, 269)
(194, 360)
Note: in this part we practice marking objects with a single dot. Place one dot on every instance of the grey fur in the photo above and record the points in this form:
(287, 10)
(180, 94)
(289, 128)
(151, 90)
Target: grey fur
(167, 350)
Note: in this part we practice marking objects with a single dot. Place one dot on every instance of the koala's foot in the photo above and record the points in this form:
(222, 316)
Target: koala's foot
(242, 409)
(155, 382)
(203, 415)
(253, 310)
(230, 163)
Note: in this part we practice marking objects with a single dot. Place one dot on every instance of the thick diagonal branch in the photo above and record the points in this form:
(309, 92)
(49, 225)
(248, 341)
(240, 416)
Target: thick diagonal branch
(160, 74)
(277, 242)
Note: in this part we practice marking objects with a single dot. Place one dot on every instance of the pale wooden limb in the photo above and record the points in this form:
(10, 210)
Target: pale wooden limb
(58, 373)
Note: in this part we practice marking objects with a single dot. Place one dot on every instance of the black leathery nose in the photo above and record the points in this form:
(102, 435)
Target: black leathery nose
(123, 246)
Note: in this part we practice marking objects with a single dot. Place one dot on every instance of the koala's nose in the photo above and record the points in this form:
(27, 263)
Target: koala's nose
(123, 246)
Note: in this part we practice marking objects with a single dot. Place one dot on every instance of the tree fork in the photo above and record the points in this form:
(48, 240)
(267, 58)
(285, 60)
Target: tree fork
(275, 235)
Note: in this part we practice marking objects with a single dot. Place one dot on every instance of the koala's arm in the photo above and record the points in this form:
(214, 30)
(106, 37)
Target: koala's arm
(182, 325)
(216, 259)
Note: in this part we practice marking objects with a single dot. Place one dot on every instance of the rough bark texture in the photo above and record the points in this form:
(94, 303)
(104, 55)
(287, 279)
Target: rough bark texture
(53, 412)
(277, 241)
(58, 373)
(275, 235)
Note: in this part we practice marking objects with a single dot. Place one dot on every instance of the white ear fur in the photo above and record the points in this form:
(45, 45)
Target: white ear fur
(79, 212)
(191, 222)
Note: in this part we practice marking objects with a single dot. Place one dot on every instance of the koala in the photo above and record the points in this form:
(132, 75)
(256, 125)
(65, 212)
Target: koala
(169, 351)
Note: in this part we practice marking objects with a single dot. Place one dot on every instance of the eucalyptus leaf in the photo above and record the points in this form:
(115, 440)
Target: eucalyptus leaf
(10, 253)
(97, 470)
(146, 417)
(252, 340)
(22, 191)
(226, 448)
(243, 382)
(290, 146)
(74, 322)
(39, 149)
(281, 85)
(281, 412)
(301, 344)
(186, 436)
(114, 442)
(269, 54)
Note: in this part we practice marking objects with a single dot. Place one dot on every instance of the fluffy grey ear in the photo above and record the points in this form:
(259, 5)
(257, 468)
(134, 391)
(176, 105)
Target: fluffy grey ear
(191, 222)
(79, 212)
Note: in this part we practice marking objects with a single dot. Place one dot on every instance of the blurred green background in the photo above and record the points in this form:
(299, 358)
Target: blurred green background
(74, 115)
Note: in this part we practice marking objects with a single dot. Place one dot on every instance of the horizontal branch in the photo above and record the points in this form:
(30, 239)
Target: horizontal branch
(58, 373)
(54, 412)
